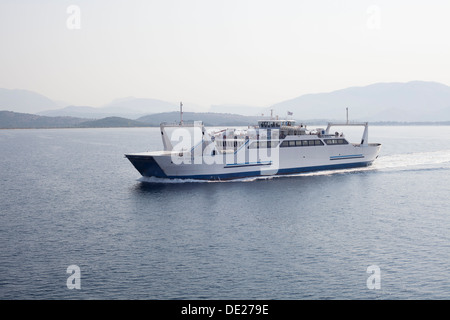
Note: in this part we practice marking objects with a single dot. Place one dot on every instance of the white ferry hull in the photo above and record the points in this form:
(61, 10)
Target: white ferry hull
(286, 161)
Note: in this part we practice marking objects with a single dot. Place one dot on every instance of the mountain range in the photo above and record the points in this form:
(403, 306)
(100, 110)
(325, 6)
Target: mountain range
(25, 101)
(406, 102)
(129, 107)
(415, 101)
(16, 120)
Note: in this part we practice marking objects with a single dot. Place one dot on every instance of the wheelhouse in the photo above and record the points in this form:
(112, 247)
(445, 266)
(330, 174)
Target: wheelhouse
(275, 123)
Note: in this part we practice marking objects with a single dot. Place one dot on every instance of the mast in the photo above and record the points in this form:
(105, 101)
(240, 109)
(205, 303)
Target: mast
(347, 114)
(181, 113)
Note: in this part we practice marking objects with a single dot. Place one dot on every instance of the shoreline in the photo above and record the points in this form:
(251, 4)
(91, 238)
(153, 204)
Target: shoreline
(378, 124)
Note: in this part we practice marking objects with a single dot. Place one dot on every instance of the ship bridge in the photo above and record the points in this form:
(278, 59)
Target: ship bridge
(275, 123)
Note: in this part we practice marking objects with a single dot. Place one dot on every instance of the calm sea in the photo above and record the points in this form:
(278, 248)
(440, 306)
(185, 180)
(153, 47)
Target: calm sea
(69, 197)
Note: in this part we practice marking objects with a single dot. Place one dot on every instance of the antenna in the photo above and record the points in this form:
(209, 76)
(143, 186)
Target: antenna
(271, 114)
(181, 112)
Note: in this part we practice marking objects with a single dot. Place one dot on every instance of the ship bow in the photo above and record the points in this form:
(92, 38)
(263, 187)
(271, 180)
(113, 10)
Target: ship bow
(146, 165)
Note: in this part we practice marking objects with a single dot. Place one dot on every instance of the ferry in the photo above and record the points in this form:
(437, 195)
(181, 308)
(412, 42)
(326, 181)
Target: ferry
(272, 147)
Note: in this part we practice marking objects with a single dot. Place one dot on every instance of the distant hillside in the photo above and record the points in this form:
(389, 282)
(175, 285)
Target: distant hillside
(24, 101)
(15, 120)
(131, 105)
(112, 122)
(89, 113)
(412, 101)
(76, 111)
(131, 108)
(239, 109)
(209, 119)
(10, 120)
(415, 101)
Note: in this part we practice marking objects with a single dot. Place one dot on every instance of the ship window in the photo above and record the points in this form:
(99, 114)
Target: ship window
(336, 141)
(263, 144)
(301, 143)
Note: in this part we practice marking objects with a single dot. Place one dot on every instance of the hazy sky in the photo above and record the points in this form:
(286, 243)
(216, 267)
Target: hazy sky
(213, 52)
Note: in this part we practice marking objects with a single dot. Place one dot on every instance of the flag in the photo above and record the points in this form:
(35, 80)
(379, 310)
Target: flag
(290, 113)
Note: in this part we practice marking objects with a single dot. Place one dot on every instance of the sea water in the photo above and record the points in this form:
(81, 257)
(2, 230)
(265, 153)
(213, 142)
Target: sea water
(69, 198)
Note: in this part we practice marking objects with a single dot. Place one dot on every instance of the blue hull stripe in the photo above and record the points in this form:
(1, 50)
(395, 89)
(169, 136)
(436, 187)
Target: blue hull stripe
(148, 167)
(350, 156)
(249, 164)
